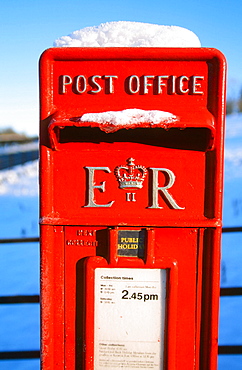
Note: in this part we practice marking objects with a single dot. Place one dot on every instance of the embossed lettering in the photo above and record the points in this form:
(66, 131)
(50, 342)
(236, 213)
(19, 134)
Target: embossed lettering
(82, 243)
(163, 189)
(197, 85)
(133, 84)
(110, 87)
(161, 83)
(86, 232)
(146, 84)
(92, 186)
(81, 84)
(93, 79)
(181, 81)
(130, 197)
(64, 81)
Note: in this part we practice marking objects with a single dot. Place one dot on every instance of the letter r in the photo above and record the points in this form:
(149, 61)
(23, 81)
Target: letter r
(156, 188)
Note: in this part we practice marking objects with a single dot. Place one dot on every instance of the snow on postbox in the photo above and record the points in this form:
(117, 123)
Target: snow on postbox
(131, 152)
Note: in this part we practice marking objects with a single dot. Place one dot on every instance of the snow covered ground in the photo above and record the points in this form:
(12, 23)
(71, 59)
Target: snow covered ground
(231, 273)
(19, 263)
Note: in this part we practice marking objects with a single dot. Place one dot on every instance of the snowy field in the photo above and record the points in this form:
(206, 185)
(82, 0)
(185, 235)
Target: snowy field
(19, 263)
(231, 275)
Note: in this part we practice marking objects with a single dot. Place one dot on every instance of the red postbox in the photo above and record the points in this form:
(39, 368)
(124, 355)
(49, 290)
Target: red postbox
(131, 149)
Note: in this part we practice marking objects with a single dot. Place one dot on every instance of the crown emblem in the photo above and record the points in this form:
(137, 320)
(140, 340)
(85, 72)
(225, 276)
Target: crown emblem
(130, 176)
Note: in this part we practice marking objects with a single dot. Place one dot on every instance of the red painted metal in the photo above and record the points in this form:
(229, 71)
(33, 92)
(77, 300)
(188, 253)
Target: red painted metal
(178, 205)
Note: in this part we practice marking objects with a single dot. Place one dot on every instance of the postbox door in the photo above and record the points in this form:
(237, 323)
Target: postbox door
(175, 252)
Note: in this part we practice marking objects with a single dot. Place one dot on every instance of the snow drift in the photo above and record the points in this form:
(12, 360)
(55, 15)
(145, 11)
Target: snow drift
(112, 121)
(130, 34)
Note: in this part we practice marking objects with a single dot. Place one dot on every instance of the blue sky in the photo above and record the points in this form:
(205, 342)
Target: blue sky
(28, 27)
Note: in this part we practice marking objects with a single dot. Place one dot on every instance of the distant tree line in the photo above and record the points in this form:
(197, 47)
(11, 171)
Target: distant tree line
(234, 104)
(7, 130)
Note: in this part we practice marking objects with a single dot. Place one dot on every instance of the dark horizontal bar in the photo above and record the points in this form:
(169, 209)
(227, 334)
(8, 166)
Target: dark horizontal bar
(19, 240)
(231, 229)
(230, 350)
(230, 291)
(19, 355)
(13, 159)
(19, 299)
(37, 239)
(35, 298)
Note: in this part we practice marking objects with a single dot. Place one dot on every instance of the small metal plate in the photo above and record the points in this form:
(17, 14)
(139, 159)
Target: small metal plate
(131, 243)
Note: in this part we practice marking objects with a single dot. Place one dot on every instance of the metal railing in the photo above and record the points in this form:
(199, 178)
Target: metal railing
(13, 159)
(19, 355)
(10, 355)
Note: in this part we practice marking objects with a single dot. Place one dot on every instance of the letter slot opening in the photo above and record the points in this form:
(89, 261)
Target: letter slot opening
(199, 139)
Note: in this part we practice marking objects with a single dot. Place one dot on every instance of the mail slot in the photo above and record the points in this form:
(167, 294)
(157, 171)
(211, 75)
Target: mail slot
(131, 173)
